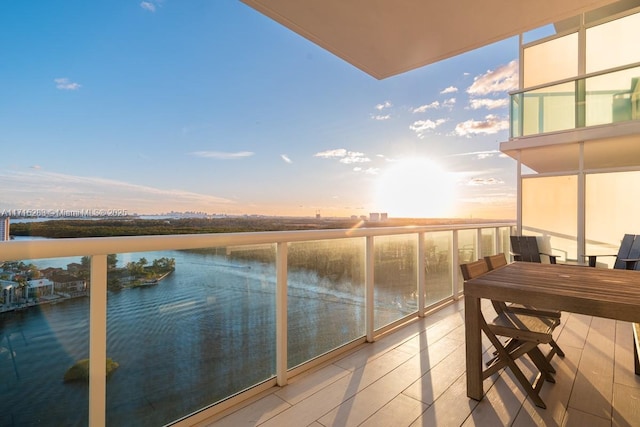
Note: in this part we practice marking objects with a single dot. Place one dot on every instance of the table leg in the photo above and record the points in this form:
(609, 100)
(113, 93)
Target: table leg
(473, 338)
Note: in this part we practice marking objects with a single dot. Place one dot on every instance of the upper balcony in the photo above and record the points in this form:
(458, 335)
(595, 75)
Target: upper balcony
(602, 108)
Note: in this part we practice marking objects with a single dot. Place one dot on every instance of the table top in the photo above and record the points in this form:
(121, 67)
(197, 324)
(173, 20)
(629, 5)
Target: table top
(597, 292)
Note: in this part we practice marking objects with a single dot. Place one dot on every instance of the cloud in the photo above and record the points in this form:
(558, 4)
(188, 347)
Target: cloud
(449, 103)
(353, 157)
(381, 117)
(488, 103)
(37, 189)
(222, 155)
(385, 104)
(347, 157)
(64, 83)
(147, 5)
(368, 171)
(331, 154)
(423, 108)
(490, 125)
(286, 158)
(450, 89)
(502, 79)
(482, 154)
(484, 181)
(422, 126)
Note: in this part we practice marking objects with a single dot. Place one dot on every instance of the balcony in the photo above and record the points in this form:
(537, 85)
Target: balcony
(416, 376)
(243, 314)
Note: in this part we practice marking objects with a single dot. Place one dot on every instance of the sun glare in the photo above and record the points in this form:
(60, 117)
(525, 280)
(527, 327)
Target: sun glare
(416, 188)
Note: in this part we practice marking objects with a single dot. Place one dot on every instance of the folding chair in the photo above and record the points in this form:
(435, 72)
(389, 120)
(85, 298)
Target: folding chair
(500, 260)
(524, 332)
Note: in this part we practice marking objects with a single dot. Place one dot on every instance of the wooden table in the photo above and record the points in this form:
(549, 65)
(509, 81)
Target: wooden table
(614, 294)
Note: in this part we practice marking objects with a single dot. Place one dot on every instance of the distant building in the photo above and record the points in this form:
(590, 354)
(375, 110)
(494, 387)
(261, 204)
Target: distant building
(8, 292)
(384, 216)
(4, 228)
(39, 288)
(374, 217)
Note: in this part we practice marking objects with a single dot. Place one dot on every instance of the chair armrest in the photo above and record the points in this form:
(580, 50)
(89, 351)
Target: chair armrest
(516, 256)
(552, 258)
(592, 258)
(630, 263)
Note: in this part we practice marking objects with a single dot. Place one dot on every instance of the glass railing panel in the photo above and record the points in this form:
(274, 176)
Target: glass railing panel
(186, 334)
(516, 112)
(439, 283)
(609, 97)
(395, 278)
(326, 306)
(488, 236)
(505, 241)
(467, 246)
(44, 331)
(549, 109)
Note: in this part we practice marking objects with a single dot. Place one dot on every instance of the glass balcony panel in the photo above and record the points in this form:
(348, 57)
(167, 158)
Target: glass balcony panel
(549, 206)
(203, 333)
(395, 278)
(39, 343)
(549, 109)
(610, 212)
(505, 241)
(613, 44)
(516, 102)
(439, 283)
(467, 248)
(326, 306)
(488, 242)
(610, 97)
(551, 61)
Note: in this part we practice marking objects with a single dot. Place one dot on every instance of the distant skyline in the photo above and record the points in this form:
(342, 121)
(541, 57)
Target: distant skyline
(160, 106)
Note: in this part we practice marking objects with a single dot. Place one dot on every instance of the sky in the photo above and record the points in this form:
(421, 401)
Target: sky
(208, 106)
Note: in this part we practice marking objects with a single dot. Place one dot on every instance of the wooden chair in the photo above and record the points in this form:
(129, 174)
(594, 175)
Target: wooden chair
(500, 260)
(524, 332)
(628, 254)
(525, 248)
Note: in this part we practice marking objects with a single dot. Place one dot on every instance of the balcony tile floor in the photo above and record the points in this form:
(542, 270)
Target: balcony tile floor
(415, 376)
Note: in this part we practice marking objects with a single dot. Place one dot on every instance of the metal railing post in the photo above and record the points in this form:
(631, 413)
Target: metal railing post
(98, 341)
(368, 288)
(422, 273)
(281, 313)
(455, 263)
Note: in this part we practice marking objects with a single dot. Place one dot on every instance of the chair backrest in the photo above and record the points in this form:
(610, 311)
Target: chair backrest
(474, 269)
(629, 249)
(525, 248)
(495, 261)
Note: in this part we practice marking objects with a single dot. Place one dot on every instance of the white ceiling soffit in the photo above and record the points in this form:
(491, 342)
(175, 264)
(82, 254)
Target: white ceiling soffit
(388, 37)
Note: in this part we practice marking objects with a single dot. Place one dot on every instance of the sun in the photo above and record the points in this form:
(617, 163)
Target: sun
(415, 188)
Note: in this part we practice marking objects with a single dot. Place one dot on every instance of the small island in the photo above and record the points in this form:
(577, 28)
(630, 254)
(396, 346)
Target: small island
(80, 370)
(139, 273)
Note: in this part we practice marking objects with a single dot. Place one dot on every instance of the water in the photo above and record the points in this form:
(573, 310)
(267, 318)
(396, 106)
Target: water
(204, 333)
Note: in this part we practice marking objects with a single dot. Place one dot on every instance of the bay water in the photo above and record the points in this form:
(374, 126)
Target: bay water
(205, 332)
